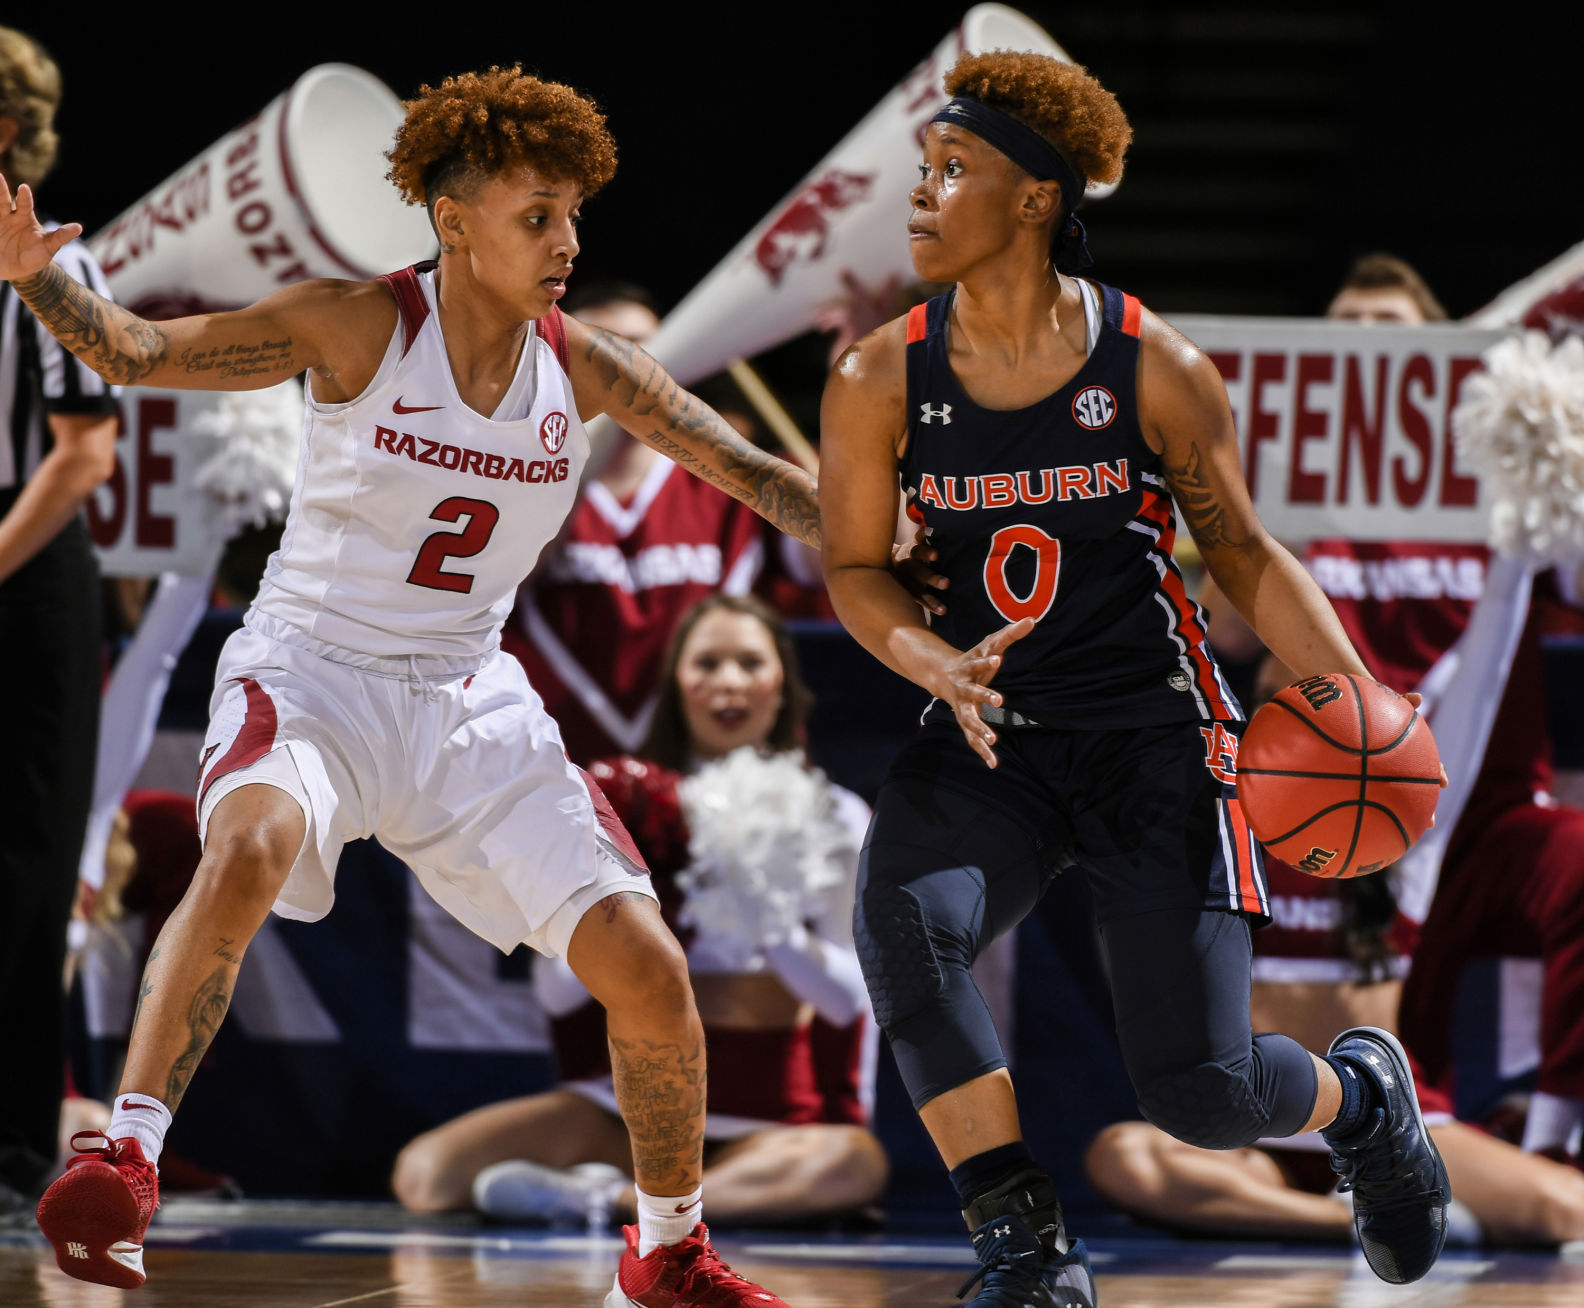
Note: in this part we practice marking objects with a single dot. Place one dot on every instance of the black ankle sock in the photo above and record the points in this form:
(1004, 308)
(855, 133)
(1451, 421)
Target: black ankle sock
(1359, 1099)
(984, 1172)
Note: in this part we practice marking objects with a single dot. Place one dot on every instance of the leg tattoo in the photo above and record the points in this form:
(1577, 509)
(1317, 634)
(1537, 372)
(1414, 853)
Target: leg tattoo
(207, 1011)
(660, 1090)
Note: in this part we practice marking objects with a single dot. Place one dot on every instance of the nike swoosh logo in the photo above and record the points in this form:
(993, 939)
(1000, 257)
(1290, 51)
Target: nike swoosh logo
(127, 1107)
(682, 1208)
(399, 407)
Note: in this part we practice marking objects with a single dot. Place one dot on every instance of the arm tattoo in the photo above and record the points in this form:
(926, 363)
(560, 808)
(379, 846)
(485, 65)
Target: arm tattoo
(660, 1090)
(1206, 518)
(117, 344)
(688, 431)
(204, 1015)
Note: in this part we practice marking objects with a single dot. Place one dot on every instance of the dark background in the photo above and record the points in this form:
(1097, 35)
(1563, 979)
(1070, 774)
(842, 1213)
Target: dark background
(1269, 147)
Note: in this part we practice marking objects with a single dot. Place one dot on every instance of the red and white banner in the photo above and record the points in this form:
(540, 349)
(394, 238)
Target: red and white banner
(841, 235)
(297, 192)
(150, 517)
(1346, 430)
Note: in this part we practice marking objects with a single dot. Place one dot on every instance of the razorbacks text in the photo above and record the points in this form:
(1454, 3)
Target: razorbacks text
(457, 458)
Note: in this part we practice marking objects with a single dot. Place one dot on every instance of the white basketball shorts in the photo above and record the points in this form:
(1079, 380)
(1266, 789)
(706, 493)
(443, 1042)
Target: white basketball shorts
(460, 774)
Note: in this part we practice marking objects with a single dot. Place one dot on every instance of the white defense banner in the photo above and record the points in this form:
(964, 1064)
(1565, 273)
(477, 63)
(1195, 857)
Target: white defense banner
(1346, 430)
(150, 517)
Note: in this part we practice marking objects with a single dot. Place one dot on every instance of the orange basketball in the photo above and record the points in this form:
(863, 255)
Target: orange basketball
(1338, 776)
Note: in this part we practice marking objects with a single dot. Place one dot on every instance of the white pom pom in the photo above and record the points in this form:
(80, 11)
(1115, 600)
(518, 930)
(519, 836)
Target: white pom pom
(767, 852)
(256, 437)
(1520, 426)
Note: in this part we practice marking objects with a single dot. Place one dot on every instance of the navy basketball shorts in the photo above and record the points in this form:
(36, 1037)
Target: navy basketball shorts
(959, 853)
(1149, 814)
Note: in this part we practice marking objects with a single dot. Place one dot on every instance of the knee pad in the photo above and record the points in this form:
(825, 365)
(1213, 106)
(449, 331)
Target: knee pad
(917, 941)
(909, 935)
(1211, 1106)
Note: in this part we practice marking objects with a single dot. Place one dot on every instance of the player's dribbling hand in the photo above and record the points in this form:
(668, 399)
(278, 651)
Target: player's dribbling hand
(25, 245)
(965, 685)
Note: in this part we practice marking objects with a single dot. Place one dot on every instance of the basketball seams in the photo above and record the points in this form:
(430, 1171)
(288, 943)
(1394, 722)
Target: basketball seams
(1324, 735)
(1335, 776)
(1363, 757)
(1413, 721)
(1330, 768)
(1360, 806)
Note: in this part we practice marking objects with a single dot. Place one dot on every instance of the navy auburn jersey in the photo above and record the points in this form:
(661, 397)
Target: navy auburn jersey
(1059, 512)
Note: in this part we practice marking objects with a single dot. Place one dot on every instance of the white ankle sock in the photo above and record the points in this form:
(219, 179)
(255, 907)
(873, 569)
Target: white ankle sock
(1553, 1120)
(666, 1219)
(142, 1117)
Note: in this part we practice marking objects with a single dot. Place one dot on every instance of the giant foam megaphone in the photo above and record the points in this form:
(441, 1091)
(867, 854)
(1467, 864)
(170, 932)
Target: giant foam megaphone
(842, 228)
(297, 192)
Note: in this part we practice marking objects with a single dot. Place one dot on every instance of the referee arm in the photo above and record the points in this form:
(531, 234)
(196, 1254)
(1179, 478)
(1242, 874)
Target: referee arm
(82, 455)
(315, 326)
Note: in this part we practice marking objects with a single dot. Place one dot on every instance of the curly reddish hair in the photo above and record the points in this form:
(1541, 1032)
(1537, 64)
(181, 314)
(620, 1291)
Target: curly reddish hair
(475, 124)
(1060, 101)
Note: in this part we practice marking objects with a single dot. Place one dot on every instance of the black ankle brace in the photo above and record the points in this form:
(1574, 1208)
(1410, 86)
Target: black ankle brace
(1031, 1196)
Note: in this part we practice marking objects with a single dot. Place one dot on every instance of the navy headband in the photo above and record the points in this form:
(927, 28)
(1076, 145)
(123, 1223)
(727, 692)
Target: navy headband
(1036, 156)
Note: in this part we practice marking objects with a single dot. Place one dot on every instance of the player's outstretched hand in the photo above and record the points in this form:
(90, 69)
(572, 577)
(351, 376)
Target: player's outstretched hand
(913, 565)
(965, 685)
(25, 246)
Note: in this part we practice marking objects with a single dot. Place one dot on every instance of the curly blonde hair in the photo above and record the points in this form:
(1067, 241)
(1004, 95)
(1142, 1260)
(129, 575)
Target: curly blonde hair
(475, 124)
(30, 92)
(1060, 101)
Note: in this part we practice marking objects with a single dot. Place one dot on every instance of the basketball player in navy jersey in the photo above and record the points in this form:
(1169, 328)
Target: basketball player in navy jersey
(1041, 427)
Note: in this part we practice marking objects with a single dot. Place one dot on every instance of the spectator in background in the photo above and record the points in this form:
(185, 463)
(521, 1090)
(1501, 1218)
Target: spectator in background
(1512, 879)
(643, 543)
(787, 1025)
(1511, 882)
(57, 443)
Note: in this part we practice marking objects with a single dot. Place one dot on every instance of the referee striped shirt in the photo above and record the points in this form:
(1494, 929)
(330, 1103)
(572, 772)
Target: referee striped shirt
(39, 376)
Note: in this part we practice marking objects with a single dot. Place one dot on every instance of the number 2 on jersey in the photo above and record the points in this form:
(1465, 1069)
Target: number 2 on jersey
(426, 570)
(1047, 567)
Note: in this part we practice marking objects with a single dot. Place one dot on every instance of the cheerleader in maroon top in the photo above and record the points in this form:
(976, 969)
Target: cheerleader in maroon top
(759, 887)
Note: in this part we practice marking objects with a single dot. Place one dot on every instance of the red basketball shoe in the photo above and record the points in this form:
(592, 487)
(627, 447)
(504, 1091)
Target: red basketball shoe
(685, 1275)
(96, 1213)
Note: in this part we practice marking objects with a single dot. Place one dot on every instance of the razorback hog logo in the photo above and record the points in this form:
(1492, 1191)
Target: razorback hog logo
(553, 430)
(1315, 860)
(800, 231)
(1319, 691)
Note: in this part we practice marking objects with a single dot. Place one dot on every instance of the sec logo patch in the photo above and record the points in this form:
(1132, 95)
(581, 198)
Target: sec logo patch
(552, 431)
(1094, 408)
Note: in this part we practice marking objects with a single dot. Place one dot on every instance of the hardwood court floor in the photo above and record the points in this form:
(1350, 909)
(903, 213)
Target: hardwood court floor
(252, 1255)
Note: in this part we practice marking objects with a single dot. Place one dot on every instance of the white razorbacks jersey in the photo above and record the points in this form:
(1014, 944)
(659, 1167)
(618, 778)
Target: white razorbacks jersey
(414, 519)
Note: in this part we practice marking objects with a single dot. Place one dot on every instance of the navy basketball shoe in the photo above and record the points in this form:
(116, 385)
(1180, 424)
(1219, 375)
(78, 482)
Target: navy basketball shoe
(1399, 1185)
(1025, 1258)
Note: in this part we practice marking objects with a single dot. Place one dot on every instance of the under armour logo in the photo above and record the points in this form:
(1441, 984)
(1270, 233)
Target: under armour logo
(1001, 1231)
(943, 413)
(76, 1250)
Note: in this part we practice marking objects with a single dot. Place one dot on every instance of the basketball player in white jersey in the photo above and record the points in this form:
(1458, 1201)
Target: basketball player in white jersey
(366, 694)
